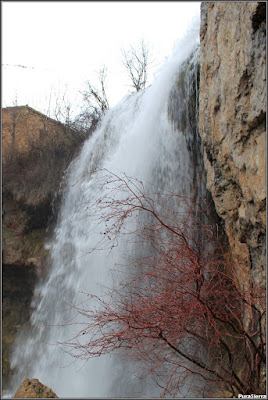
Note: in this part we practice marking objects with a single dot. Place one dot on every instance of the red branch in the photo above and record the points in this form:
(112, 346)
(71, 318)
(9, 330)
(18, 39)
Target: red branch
(178, 311)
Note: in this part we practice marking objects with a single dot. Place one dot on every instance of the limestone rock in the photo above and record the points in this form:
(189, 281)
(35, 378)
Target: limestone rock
(232, 117)
(32, 389)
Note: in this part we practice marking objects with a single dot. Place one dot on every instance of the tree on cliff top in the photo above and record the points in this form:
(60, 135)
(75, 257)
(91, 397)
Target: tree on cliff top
(136, 62)
(95, 102)
(178, 311)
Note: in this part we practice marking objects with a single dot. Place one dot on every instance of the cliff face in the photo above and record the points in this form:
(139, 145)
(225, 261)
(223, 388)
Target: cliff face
(232, 116)
(32, 177)
(37, 151)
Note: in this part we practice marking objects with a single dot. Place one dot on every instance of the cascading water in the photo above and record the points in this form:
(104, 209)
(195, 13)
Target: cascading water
(146, 137)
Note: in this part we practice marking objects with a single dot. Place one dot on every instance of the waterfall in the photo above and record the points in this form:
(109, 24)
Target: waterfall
(152, 136)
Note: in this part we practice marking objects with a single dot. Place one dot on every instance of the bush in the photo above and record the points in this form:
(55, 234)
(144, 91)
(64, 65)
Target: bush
(179, 311)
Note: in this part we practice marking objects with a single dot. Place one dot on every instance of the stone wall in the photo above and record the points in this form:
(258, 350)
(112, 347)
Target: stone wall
(232, 118)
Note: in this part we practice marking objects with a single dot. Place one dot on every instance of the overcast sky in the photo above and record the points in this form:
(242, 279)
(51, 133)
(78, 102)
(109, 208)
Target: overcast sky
(50, 46)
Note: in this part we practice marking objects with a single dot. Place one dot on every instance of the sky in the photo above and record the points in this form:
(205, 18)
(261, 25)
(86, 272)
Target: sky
(52, 48)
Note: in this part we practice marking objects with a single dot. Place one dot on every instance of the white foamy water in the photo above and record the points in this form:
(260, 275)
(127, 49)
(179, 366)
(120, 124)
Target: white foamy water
(137, 138)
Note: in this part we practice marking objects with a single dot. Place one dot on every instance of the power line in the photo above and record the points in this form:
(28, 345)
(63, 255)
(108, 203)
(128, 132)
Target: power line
(17, 65)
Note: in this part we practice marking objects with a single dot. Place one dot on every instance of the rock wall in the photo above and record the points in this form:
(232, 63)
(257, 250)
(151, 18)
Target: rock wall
(33, 169)
(17, 291)
(232, 123)
(23, 126)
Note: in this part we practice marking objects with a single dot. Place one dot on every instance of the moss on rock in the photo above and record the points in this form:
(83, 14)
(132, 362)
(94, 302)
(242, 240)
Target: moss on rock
(19, 282)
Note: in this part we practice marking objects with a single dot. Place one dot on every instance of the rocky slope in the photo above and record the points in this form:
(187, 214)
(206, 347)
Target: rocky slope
(232, 118)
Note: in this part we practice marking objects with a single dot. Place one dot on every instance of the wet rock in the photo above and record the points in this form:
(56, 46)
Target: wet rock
(32, 389)
(17, 291)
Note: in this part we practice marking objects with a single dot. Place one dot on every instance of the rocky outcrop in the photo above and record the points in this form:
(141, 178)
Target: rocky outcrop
(232, 116)
(34, 389)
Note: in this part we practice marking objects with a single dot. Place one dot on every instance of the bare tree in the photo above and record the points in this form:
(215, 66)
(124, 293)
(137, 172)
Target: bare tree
(136, 61)
(60, 106)
(95, 102)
